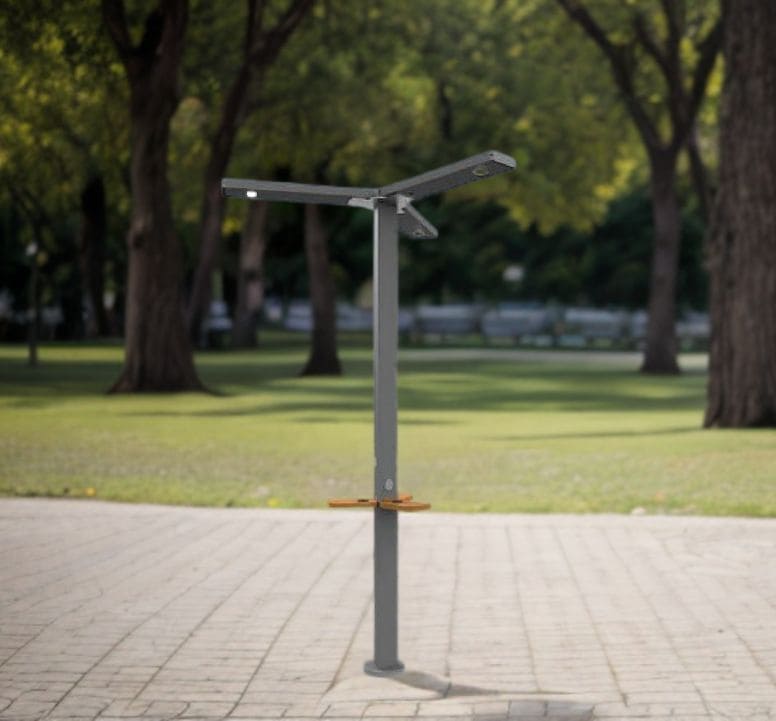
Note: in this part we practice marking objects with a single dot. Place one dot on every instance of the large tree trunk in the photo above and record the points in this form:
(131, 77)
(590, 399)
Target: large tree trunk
(661, 345)
(158, 356)
(92, 251)
(250, 276)
(742, 237)
(323, 358)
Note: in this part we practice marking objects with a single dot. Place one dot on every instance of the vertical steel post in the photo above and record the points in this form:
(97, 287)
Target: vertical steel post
(386, 526)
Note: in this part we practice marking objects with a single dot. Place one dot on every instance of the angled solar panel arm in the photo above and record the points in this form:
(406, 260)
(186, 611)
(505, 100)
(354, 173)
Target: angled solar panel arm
(477, 167)
(413, 225)
(294, 192)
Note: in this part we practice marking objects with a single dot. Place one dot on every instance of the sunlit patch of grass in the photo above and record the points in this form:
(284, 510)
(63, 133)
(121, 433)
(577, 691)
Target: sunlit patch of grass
(482, 435)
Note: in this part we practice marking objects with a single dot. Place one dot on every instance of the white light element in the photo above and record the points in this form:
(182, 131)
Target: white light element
(514, 273)
(251, 194)
(481, 171)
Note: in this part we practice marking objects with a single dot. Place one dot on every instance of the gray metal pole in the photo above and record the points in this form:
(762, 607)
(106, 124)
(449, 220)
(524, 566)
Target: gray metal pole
(386, 526)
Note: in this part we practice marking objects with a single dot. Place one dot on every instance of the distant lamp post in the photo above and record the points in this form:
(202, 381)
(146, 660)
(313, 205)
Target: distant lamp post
(33, 315)
(393, 214)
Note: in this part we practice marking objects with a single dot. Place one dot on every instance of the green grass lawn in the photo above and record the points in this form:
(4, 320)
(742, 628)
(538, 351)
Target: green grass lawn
(474, 435)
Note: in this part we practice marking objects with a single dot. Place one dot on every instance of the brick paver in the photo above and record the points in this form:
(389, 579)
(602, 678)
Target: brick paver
(113, 612)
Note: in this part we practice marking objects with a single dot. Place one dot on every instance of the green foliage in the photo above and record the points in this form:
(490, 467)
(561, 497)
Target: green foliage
(60, 94)
(469, 261)
(610, 266)
(330, 103)
(626, 24)
(508, 75)
(374, 95)
(364, 93)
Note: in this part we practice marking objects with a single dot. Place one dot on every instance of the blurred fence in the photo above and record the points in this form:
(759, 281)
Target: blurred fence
(529, 324)
(14, 323)
(521, 324)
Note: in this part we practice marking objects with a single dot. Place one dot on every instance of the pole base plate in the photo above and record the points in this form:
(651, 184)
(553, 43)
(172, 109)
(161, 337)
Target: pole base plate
(372, 670)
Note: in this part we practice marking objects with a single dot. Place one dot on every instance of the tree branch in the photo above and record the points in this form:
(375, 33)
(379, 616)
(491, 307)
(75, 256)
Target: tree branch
(670, 8)
(621, 70)
(649, 43)
(700, 178)
(268, 44)
(152, 35)
(115, 19)
(168, 15)
(669, 61)
(579, 14)
(250, 27)
(292, 17)
(708, 49)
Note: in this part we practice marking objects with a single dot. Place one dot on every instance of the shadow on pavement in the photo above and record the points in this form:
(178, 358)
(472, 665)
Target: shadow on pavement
(441, 686)
(412, 692)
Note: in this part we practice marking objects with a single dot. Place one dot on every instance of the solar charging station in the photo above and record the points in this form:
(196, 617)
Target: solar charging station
(393, 214)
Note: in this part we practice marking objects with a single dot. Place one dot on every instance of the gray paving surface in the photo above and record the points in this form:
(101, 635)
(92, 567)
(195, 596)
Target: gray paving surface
(115, 612)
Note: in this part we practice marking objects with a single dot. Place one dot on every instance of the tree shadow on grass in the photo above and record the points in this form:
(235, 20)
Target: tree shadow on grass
(676, 430)
(486, 387)
(424, 387)
(347, 403)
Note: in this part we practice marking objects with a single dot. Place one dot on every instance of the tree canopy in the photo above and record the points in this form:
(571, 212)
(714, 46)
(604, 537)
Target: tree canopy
(364, 94)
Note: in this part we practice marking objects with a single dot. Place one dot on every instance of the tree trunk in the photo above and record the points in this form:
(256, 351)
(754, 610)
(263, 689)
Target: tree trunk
(700, 179)
(661, 345)
(262, 47)
(212, 215)
(92, 251)
(158, 356)
(210, 237)
(323, 358)
(34, 302)
(250, 276)
(742, 237)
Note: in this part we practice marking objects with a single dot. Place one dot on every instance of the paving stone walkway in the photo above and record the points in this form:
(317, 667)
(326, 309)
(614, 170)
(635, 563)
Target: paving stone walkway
(117, 612)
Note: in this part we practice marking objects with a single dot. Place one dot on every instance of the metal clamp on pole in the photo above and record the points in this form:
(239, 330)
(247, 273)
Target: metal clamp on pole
(393, 214)
(403, 502)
